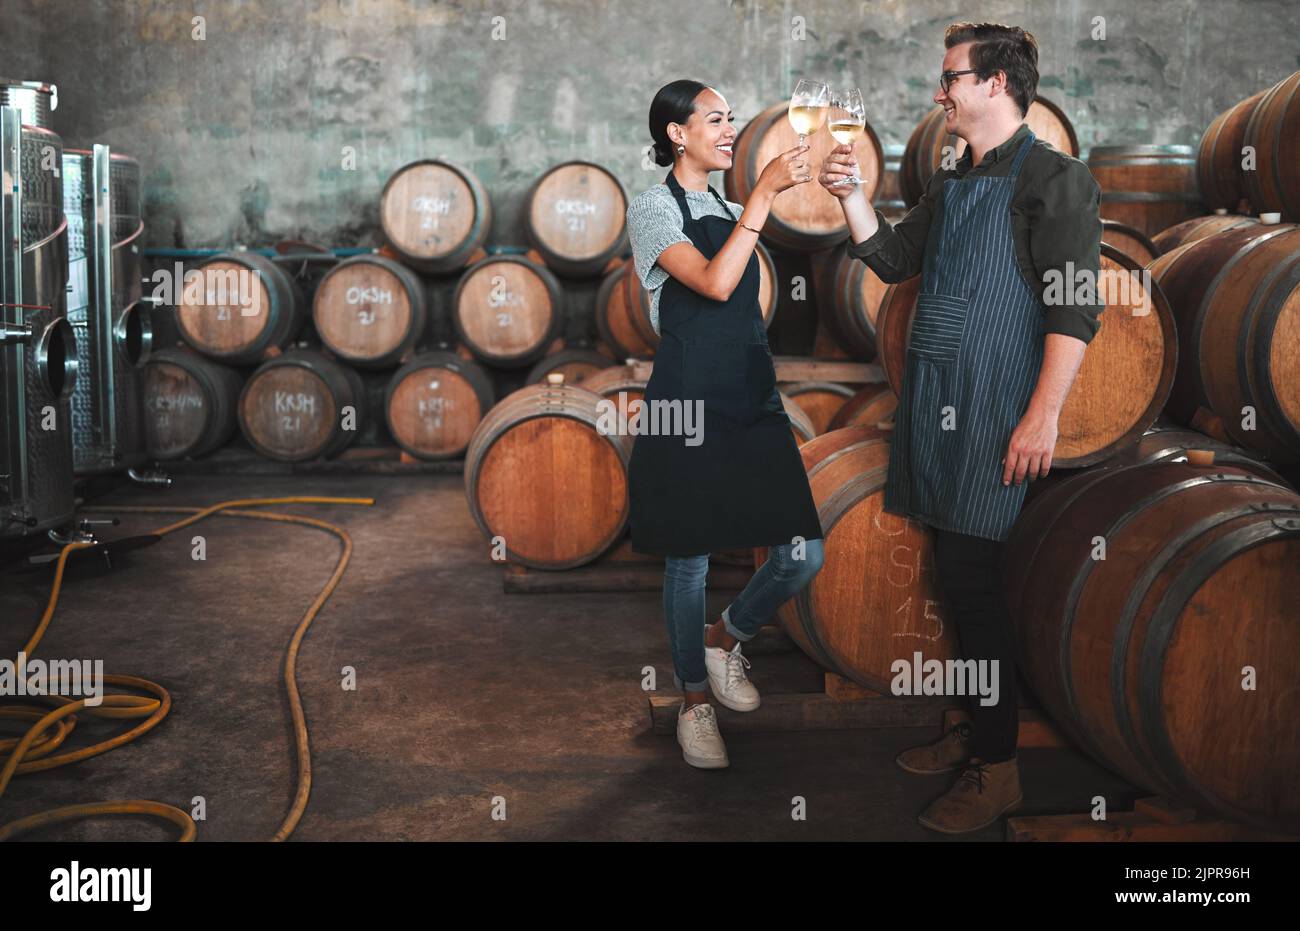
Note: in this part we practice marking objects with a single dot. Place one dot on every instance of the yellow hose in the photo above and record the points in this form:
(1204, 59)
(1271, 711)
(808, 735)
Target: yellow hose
(31, 752)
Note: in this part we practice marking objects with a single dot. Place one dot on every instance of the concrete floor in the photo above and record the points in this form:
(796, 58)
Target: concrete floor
(463, 693)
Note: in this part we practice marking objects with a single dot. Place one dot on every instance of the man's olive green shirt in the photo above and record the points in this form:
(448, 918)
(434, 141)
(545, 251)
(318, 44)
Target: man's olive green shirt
(1054, 222)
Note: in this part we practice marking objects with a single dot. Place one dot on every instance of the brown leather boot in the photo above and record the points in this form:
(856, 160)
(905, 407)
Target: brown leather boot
(946, 754)
(983, 793)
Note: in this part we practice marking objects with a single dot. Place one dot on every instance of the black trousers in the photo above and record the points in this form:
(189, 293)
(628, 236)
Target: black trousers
(969, 571)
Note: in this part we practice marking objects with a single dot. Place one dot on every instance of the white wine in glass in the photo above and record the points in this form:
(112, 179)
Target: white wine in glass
(848, 122)
(808, 105)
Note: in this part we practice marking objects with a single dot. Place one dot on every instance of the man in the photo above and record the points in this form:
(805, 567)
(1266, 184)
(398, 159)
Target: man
(989, 366)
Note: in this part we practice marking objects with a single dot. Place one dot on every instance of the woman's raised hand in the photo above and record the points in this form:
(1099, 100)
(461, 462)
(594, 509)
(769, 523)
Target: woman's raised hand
(841, 163)
(786, 170)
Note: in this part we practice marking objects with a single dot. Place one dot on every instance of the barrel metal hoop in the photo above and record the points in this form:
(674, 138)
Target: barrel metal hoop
(1282, 281)
(1148, 197)
(1075, 591)
(1155, 648)
(1080, 579)
(1202, 305)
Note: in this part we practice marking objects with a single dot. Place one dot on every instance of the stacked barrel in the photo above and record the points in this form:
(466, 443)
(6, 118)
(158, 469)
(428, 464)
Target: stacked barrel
(411, 344)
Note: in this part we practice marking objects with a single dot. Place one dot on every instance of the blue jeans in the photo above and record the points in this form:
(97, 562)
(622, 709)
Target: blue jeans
(775, 582)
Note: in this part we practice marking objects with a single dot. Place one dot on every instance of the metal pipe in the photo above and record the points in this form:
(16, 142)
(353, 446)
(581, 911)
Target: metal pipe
(152, 477)
(101, 268)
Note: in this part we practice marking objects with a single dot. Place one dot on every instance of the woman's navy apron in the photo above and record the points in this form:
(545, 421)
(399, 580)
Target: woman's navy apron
(744, 484)
(973, 359)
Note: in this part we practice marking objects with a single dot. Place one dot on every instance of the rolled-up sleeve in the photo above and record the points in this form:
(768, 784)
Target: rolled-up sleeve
(1060, 219)
(895, 251)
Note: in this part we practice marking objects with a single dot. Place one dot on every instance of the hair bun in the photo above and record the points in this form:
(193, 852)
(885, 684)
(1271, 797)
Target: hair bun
(663, 155)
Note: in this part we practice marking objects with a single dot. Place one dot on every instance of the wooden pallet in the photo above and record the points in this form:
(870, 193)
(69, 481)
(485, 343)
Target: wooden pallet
(1152, 819)
(846, 704)
(619, 570)
(842, 705)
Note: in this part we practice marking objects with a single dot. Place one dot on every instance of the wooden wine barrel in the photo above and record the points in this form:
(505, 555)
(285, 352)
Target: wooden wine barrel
(800, 423)
(615, 316)
(435, 215)
(849, 301)
(189, 404)
(889, 194)
(576, 365)
(874, 601)
(893, 324)
(1198, 228)
(1167, 441)
(1141, 657)
(435, 402)
(870, 406)
(238, 306)
(1218, 158)
(540, 475)
(820, 400)
(1133, 243)
(1124, 380)
(575, 216)
(1273, 130)
(638, 298)
(924, 152)
(803, 218)
(1236, 297)
(611, 382)
(508, 310)
(1148, 187)
(301, 405)
(369, 311)
(768, 291)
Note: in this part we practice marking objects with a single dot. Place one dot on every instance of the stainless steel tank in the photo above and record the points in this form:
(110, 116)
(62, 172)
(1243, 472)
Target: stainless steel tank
(38, 349)
(101, 198)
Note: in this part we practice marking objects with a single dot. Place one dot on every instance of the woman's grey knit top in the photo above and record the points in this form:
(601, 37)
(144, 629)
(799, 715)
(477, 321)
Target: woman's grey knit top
(654, 222)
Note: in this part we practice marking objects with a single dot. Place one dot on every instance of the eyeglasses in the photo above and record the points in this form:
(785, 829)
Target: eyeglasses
(945, 79)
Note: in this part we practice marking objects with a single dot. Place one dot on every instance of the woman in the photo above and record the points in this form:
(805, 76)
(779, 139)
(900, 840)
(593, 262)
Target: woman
(740, 483)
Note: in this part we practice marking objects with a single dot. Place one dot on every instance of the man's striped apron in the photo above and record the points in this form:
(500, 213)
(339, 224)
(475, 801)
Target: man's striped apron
(973, 358)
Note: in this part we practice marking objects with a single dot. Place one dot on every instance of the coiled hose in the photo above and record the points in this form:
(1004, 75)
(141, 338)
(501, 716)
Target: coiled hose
(31, 752)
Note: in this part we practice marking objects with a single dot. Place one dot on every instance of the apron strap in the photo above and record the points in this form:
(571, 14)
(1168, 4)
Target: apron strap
(725, 208)
(675, 186)
(1023, 151)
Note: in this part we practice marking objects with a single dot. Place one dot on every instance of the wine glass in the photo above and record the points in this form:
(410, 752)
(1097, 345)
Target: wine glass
(848, 118)
(808, 106)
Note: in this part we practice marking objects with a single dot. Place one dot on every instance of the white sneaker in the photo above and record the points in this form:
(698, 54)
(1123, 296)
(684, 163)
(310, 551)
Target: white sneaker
(697, 732)
(727, 677)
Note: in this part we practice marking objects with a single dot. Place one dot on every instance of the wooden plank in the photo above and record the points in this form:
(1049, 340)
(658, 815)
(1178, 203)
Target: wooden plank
(612, 577)
(770, 641)
(839, 688)
(809, 711)
(1129, 826)
(799, 368)
(803, 368)
(1162, 809)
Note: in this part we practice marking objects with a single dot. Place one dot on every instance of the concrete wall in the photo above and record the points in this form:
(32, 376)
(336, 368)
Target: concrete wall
(242, 134)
